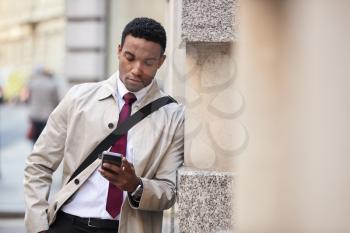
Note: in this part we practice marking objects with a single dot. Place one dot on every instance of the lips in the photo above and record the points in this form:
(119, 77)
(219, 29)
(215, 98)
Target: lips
(134, 80)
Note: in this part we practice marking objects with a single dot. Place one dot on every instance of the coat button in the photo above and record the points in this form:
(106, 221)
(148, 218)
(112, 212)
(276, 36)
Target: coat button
(110, 125)
(76, 181)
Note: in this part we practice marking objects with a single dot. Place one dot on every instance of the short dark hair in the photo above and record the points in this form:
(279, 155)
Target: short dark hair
(147, 29)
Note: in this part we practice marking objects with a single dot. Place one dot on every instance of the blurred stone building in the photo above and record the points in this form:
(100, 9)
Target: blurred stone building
(32, 33)
(76, 39)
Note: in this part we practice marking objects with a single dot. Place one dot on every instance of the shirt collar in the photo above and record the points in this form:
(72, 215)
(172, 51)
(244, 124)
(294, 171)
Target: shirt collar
(121, 90)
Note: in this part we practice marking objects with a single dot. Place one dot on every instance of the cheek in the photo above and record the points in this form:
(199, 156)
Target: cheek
(150, 71)
(148, 79)
(124, 67)
(149, 75)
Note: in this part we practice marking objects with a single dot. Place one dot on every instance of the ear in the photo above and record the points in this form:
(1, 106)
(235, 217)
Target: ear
(119, 50)
(161, 61)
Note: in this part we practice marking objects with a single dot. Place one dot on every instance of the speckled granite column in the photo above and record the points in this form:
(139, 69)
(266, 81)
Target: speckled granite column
(213, 133)
(205, 201)
(209, 20)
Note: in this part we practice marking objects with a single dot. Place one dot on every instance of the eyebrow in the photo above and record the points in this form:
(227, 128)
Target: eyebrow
(151, 58)
(133, 55)
(129, 53)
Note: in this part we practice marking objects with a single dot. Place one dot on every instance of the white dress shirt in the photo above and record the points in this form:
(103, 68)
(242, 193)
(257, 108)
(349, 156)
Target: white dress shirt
(90, 200)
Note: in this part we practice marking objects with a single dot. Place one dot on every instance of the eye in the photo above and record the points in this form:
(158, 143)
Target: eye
(129, 56)
(150, 62)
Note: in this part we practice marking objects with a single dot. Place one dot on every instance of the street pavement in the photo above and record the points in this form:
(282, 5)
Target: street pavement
(13, 151)
(14, 148)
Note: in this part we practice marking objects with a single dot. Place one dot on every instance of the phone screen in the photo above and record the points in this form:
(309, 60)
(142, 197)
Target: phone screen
(111, 157)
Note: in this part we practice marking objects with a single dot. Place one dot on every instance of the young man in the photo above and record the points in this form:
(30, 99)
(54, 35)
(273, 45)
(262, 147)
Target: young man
(152, 149)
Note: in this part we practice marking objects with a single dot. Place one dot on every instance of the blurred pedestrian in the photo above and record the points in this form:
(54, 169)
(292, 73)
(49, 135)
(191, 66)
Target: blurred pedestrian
(42, 98)
(1, 95)
(104, 197)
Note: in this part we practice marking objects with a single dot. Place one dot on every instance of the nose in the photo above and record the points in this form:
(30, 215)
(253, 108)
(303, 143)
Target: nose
(136, 69)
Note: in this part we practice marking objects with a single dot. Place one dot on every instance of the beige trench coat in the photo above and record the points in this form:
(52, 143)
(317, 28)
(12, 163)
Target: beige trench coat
(86, 115)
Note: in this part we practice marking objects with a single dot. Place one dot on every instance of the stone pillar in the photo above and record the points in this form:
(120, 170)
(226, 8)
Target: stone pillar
(294, 72)
(174, 83)
(213, 133)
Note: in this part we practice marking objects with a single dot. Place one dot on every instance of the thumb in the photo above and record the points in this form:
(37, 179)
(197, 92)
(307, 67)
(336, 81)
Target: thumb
(126, 164)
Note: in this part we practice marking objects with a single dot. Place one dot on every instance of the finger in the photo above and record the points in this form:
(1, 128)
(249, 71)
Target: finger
(111, 176)
(111, 167)
(121, 181)
(126, 165)
(130, 164)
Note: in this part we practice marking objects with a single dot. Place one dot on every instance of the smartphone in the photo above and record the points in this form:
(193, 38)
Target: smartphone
(112, 157)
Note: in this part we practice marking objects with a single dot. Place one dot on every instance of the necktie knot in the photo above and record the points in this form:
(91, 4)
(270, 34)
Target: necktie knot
(129, 98)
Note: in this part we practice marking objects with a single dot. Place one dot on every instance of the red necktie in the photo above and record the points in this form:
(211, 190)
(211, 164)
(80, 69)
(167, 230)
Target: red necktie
(115, 195)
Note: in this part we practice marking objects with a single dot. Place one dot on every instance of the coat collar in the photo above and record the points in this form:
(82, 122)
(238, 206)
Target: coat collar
(109, 88)
(152, 94)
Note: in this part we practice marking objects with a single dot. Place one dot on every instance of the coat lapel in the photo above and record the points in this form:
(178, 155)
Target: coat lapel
(152, 94)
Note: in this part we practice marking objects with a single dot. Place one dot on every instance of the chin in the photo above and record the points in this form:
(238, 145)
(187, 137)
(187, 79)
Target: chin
(133, 88)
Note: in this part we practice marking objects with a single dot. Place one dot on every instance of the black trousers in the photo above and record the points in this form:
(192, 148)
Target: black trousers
(66, 224)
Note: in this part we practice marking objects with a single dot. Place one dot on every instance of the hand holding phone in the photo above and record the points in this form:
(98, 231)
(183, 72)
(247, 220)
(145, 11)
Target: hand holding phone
(123, 176)
(112, 157)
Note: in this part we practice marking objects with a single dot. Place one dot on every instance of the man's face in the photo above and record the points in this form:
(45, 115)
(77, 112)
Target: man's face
(139, 60)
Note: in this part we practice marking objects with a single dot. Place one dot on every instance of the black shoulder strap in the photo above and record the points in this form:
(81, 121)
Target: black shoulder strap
(122, 129)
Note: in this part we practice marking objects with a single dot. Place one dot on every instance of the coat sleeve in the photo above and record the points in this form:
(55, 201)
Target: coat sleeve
(46, 156)
(159, 192)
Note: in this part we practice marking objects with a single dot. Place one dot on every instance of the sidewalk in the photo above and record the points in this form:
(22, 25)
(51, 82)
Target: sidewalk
(11, 181)
(13, 152)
